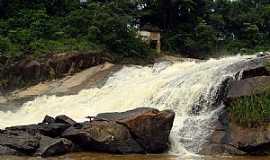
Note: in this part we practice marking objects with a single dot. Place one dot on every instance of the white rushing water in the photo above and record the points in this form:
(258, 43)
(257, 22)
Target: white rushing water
(185, 87)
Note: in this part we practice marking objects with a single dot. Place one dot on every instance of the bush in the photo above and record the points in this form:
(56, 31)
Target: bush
(8, 49)
(251, 111)
(57, 46)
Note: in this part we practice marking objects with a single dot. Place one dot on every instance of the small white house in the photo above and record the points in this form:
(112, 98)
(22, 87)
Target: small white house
(151, 35)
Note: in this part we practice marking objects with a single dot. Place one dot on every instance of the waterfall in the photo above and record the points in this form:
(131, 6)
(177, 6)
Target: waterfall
(188, 88)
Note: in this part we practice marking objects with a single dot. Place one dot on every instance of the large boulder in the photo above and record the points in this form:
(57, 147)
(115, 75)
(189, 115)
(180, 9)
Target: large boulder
(150, 127)
(107, 136)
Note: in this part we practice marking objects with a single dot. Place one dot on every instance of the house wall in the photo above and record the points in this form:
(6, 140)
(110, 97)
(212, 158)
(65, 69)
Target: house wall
(151, 36)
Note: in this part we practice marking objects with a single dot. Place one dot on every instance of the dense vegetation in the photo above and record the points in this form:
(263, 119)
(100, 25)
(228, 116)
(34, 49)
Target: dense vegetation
(191, 27)
(251, 111)
(41, 26)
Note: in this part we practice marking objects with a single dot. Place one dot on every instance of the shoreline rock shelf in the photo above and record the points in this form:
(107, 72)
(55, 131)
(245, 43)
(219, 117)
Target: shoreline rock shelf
(229, 135)
(142, 130)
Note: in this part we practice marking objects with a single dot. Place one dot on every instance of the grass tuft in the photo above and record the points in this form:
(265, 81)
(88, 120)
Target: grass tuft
(251, 111)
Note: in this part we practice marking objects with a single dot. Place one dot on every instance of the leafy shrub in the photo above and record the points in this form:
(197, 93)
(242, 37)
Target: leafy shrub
(251, 111)
(7, 48)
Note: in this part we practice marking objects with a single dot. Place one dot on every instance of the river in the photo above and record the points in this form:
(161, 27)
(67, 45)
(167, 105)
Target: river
(102, 156)
(189, 88)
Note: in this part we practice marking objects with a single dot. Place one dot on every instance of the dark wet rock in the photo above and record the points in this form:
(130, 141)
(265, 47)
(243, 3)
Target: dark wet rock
(214, 149)
(65, 119)
(253, 140)
(19, 141)
(150, 127)
(143, 130)
(30, 70)
(261, 149)
(73, 62)
(52, 147)
(4, 150)
(255, 72)
(48, 119)
(246, 136)
(51, 129)
(248, 87)
(103, 136)
(222, 91)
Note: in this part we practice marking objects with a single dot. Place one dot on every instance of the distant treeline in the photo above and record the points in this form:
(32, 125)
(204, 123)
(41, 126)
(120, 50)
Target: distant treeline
(190, 27)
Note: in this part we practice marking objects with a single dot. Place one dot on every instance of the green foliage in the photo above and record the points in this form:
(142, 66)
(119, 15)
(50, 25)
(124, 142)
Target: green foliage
(41, 26)
(7, 48)
(267, 65)
(251, 111)
(193, 27)
(201, 27)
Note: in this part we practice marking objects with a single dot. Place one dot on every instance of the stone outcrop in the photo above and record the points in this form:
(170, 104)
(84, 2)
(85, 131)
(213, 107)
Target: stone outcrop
(228, 136)
(143, 130)
(255, 72)
(248, 87)
(144, 123)
(33, 70)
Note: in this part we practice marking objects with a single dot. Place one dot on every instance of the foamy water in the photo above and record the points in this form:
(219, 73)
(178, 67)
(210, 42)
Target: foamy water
(182, 87)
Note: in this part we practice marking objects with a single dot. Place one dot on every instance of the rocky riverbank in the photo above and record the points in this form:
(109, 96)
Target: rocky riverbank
(244, 127)
(142, 130)
(29, 70)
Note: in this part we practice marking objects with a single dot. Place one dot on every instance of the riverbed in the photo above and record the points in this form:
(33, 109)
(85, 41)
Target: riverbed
(102, 156)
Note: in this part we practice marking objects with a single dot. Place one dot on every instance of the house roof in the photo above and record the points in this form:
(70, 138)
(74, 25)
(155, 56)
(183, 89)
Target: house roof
(150, 28)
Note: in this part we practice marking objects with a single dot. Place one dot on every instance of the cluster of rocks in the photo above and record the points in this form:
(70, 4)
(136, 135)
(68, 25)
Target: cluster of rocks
(33, 70)
(143, 130)
(232, 138)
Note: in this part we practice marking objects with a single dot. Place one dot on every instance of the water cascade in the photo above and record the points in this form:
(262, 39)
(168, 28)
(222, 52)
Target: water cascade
(189, 88)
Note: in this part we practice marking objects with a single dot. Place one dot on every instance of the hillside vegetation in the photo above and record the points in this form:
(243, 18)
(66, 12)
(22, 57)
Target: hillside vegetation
(194, 28)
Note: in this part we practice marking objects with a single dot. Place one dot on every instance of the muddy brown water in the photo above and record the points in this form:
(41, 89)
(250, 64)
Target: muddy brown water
(102, 156)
